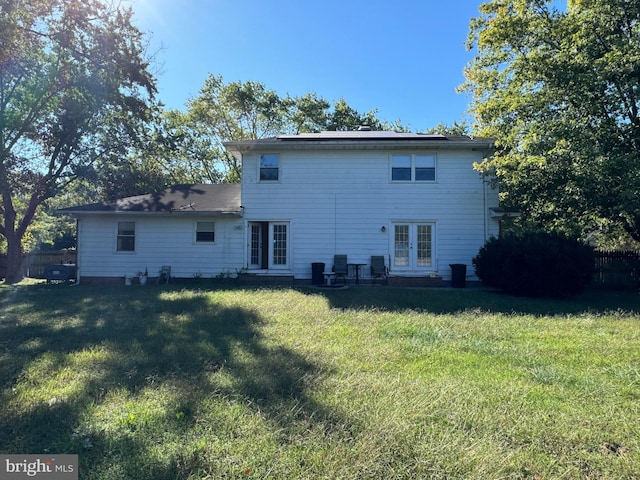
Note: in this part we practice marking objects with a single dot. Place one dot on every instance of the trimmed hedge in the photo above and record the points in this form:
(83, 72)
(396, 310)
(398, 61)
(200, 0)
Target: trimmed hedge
(535, 264)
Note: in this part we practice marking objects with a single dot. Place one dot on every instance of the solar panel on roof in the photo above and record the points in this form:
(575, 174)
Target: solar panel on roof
(362, 135)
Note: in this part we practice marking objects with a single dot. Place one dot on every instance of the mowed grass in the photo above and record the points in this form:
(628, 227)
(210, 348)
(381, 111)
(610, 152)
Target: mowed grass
(191, 382)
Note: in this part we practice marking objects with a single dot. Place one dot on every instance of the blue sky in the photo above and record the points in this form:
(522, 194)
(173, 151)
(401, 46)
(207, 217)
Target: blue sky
(402, 57)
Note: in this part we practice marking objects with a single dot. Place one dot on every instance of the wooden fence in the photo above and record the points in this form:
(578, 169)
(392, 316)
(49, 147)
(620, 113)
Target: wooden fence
(34, 263)
(618, 270)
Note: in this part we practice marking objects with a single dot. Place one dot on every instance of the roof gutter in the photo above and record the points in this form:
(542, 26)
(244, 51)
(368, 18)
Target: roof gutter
(240, 147)
(217, 213)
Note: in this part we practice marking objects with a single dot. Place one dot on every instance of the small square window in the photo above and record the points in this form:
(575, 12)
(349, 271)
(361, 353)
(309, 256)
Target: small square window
(205, 232)
(269, 167)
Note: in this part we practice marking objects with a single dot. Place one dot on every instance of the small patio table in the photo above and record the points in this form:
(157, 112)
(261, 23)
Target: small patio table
(356, 267)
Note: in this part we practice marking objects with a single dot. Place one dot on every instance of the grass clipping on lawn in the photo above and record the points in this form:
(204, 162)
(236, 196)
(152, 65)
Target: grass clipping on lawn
(169, 383)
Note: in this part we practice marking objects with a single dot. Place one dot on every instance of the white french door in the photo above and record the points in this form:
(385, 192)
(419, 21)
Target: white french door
(412, 247)
(256, 242)
(268, 245)
(279, 248)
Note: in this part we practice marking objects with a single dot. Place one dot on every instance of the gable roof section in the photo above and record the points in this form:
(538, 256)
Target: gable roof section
(361, 139)
(218, 199)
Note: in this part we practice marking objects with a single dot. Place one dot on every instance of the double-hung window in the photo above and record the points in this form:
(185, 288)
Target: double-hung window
(126, 238)
(269, 168)
(413, 168)
(205, 232)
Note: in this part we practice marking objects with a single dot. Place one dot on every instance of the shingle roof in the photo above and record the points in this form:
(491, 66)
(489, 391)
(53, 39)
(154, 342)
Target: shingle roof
(183, 199)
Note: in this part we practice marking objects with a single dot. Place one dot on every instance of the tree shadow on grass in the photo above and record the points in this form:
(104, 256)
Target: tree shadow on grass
(454, 301)
(65, 354)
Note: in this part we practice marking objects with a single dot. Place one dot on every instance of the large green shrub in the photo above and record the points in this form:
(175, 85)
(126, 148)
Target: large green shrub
(535, 264)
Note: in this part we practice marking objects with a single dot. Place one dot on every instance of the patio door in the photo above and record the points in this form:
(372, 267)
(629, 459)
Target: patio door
(412, 246)
(279, 248)
(257, 231)
(268, 245)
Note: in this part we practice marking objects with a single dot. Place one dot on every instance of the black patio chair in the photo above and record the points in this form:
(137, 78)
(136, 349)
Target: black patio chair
(340, 268)
(378, 268)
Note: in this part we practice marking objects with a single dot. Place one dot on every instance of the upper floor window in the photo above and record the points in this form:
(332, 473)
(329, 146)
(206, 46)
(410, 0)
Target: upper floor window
(205, 232)
(269, 167)
(413, 168)
(126, 239)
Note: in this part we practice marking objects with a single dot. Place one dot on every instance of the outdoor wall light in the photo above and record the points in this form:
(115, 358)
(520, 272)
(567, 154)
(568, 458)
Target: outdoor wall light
(383, 229)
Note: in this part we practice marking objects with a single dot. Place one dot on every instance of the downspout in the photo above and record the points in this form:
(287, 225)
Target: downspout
(485, 206)
(335, 223)
(485, 213)
(77, 251)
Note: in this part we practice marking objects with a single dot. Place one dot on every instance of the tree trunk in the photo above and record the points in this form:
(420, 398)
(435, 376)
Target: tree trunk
(15, 259)
(632, 227)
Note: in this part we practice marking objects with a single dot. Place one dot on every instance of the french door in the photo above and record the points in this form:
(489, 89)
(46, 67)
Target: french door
(268, 245)
(413, 246)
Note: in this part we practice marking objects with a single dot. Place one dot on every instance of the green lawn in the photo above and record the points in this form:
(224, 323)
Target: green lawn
(190, 382)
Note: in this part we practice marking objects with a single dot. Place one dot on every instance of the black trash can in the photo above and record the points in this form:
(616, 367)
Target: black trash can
(458, 275)
(317, 277)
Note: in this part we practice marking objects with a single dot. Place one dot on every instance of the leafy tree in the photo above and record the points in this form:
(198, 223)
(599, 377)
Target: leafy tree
(310, 114)
(175, 150)
(74, 88)
(344, 117)
(248, 111)
(235, 111)
(457, 129)
(559, 90)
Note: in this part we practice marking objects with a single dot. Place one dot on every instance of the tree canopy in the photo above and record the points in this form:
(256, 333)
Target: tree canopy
(559, 90)
(75, 90)
(249, 110)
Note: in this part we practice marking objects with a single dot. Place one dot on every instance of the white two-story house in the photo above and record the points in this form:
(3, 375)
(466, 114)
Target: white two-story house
(413, 199)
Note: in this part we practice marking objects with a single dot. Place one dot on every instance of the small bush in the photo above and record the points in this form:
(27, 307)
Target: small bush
(535, 264)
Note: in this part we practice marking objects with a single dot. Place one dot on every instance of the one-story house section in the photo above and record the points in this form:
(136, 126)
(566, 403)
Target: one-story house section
(197, 230)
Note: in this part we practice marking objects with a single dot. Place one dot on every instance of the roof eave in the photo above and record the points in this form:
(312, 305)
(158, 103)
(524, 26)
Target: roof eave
(240, 147)
(216, 213)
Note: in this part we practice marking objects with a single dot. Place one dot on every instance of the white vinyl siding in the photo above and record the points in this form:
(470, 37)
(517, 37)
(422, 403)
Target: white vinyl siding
(160, 240)
(336, 202)
(322, 203)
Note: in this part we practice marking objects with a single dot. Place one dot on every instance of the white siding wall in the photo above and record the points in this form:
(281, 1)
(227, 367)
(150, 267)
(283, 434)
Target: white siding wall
(160, 240)
(337, 202)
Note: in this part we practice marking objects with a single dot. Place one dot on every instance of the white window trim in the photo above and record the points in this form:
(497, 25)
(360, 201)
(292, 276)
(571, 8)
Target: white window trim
(413, 269)
(135, 238)
(413, 166)
(287, 265)
(260, 180)
(195, 233)
(270, 266)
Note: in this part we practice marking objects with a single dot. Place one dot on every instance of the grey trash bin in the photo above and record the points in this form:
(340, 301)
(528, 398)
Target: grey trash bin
(458, 275)
(317, 277)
